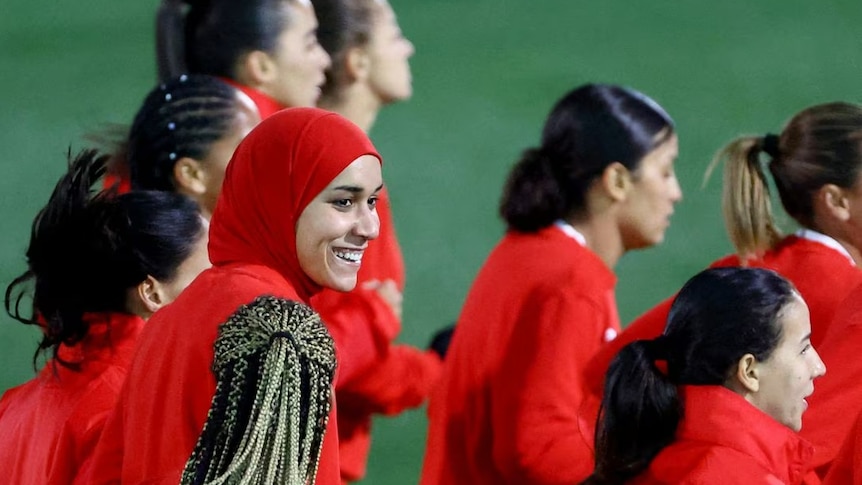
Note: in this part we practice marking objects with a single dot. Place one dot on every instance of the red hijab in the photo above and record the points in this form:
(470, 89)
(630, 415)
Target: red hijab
(276, 171)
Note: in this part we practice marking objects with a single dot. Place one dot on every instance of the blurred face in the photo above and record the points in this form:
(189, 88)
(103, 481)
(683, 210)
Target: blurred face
(333, 231)
(197, 261)
(215, 162)
(388, 54)
(645, 215)
(299, 61)
(787, 377)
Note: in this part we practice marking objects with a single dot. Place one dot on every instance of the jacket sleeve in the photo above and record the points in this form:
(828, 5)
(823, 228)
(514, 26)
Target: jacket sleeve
(537, 392)
(374, 374)
(647, 326)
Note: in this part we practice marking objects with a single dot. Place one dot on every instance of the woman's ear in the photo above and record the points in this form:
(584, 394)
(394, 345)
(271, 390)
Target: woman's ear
(190, 177)
(616, 181)
(747, 376)
(833, 201)
(256, 69)
(150, 295)
(357, 64)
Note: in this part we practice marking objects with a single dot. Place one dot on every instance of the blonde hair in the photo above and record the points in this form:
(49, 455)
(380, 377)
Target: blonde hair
(274, 366)
(820, 145)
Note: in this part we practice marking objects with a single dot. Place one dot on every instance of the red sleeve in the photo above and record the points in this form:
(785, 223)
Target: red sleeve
(648, 326)
(847, 467)
(537, 392)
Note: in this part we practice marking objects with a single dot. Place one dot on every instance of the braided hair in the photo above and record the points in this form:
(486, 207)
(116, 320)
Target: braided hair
(274, 366)
(180, 118)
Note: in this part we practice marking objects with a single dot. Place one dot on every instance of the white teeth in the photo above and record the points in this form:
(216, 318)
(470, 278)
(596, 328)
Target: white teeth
(351, 256)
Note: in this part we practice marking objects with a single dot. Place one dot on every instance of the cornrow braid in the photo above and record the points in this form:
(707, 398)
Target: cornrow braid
(274, 366)
(181, 118)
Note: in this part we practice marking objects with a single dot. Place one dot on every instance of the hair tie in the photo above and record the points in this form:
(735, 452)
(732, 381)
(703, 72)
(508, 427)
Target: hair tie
(769, 145)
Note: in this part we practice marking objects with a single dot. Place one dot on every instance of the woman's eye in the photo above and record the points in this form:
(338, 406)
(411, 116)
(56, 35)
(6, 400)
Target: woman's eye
(343, 203)
(805, 350)
(372, 202)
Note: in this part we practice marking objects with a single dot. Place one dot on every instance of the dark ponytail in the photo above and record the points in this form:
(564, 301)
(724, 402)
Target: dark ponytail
(719, 316)
(87, 250)
(170, 39)
(588, 129)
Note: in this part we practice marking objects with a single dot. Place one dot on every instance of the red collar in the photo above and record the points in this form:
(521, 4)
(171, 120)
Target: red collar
(717, 415)
(109, 335)
(266, 106)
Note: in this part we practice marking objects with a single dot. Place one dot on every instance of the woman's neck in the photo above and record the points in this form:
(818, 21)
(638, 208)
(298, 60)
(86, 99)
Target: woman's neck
(603, 238)
(356, 104)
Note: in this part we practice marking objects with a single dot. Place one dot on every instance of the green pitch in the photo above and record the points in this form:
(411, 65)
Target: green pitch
(486, 73)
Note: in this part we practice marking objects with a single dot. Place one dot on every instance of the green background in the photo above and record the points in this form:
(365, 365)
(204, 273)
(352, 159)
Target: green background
(486, 73)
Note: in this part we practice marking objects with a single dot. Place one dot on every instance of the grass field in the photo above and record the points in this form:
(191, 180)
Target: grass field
(485, 74)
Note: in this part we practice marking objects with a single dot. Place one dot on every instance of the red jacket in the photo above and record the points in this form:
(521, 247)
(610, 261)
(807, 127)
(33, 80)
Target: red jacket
(507, 407)
(723, 439)
(846, 469)
(837, 398)
(375, 375)
(51, 424)
(266, 106)
(822, 275)
(252, 245)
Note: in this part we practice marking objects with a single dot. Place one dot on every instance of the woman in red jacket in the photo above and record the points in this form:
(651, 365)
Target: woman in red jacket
(601, 183)
(719, 396)
(295, 214)
(370, 69)
(266, 48)
(99, 266)
(815, 164)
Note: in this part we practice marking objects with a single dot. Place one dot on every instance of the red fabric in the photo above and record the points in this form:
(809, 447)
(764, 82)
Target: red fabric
(274, 173)
(506, 411)
(266, 106)
(723, 439)
(846, 469)
(51, 423)
(375, 375)
(823, 276)
(837, 398)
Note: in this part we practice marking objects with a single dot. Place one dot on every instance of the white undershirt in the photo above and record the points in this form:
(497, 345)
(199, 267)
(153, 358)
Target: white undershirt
(570, 231)
(825, 240)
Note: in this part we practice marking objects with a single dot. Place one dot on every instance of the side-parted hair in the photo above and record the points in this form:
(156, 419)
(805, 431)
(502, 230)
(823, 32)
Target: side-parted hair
(183, 117)
(588, 129)
(87, 250)
(719, 316)
(820, 145)
(212, 36)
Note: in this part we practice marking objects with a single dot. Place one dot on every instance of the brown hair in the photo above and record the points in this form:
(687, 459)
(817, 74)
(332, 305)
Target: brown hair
(820, 145)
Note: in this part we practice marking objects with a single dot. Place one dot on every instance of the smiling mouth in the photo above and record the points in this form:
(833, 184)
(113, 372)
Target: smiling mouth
(352, 256)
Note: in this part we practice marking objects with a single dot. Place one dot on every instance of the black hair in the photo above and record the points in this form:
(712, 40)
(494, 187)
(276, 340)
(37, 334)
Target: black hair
(588, 129)
(211, 36)
(87, 250)
(180, 118)
(719, 316)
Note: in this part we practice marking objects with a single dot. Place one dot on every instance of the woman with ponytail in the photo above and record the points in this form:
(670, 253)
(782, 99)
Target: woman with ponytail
(295, 214)
(815, 164)
(266, 48)
(719, 396)
(600, 184)
(98, 267)
(370, 70)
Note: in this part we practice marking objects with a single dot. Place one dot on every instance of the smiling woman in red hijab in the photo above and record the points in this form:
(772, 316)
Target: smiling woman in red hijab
(295, 214)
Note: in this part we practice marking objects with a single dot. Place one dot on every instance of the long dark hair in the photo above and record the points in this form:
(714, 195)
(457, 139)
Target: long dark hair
(180, 118)
(211, 36)
(719, 316)
(588, 129)
(87, 250)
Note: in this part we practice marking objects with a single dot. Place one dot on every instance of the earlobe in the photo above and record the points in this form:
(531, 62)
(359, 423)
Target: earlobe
(150, 294)
(190, 177)
(616, 180)
(748, 373)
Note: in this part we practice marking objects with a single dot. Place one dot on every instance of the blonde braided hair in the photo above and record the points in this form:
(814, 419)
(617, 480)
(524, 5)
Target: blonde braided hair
(274, 366)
